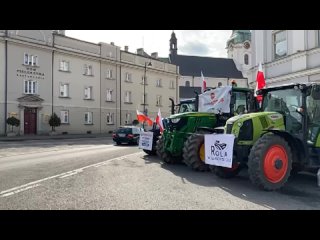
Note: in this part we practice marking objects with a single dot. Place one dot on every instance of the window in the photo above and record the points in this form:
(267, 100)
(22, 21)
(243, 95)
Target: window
(30, 59)
(172, 84)
(109, 74)
(109, 95)
(128, 77)
(64, 116)
(110, 118)
(64, 66)
(144, 99)
(88, 93)
(88, 70)
(88, 118)
(159, 100)
(246, 59)
(64, 90)
(280, 44)
(30, 87)
(128, 118)
(159, 83)
(127, 97)
(187, 83)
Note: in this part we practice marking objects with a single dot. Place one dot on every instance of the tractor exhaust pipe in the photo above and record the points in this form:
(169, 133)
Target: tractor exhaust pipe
(197, 101)
(172, 105)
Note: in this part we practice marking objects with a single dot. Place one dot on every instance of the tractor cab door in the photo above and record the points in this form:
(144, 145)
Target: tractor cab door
(313, 116)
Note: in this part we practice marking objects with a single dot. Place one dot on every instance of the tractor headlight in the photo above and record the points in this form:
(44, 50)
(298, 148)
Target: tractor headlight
(175, 120)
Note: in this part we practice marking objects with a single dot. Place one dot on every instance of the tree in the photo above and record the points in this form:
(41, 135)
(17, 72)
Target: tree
(14, 122)
(54, 121)
(135, 122)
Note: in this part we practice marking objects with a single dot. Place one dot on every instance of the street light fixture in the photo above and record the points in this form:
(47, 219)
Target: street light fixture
(144, 88)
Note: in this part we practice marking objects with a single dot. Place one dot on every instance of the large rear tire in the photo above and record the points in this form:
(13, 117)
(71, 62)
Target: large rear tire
(193, 152)
(163, 154)
(270, 162)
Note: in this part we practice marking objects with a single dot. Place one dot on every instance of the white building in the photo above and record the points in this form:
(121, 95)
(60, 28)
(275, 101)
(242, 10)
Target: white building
(287, 56)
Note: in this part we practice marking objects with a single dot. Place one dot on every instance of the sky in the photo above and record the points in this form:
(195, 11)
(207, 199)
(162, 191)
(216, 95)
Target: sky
(209, 43)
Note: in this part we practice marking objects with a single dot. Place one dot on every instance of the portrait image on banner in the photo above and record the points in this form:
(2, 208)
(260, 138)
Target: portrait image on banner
(216, 100)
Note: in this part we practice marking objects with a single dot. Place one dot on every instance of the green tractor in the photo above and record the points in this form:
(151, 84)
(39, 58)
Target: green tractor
(187, 105)
(283, 138)
(173, 145)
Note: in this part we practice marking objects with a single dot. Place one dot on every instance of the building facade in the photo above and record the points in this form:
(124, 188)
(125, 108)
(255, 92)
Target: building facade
(287, 56)
(44, 72)
(239, 49)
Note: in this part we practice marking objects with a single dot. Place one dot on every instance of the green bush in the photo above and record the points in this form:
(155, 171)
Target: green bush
(54, 121)
(13, 122)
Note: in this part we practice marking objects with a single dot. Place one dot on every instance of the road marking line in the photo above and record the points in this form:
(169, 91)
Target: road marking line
(20, 190)
(27, 185)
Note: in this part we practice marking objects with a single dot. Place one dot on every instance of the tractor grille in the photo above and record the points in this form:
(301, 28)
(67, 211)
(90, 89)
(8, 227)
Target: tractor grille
(264, 122)
(229, 128)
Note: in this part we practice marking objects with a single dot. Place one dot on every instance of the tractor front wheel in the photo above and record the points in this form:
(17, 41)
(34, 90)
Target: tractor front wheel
(193, 152)
(162, 153)
(224, 172)
(270, 162)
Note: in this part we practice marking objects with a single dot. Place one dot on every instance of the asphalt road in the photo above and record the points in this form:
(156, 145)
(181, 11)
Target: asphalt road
(95, 174)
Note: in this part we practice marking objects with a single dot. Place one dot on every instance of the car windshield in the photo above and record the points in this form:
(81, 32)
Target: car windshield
(124, 130)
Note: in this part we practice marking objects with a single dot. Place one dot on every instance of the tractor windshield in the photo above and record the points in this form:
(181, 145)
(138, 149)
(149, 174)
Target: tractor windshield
(239, 103)
(286, 102)
(187, 107)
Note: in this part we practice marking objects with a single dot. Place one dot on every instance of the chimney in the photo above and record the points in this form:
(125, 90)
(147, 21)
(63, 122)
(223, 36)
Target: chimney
(154, 55)
(126, 48)
(140, 51)
(112, 43)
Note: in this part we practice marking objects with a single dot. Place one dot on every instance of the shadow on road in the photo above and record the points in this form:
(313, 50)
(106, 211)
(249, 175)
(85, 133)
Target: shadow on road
(300, 190)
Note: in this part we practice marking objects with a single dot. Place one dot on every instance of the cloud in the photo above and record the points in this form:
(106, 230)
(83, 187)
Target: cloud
(196, 42)
(195, 49)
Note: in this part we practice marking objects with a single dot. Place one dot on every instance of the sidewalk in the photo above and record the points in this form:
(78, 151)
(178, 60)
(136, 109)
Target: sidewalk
(61, 136)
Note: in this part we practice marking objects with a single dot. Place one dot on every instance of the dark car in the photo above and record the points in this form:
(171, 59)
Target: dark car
(127, 134)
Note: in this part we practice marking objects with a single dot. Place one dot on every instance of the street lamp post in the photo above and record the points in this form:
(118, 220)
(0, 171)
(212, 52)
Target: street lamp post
(144, 89)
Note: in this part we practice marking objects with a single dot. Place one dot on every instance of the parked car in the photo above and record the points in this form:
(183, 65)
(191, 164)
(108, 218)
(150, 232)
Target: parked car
(127, 134)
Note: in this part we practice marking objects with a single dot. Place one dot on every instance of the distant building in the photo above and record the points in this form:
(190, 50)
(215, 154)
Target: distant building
(240, 50)
(287, 56)
(215, 70)
(93, 88)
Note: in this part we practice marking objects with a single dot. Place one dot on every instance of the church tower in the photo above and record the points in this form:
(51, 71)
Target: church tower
(173, 44)
(239, 49)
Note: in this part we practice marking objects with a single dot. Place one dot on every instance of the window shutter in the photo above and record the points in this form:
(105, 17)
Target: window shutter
(61, 65)
(61, 89)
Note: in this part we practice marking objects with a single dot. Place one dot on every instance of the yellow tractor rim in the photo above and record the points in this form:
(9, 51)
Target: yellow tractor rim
(201, 152)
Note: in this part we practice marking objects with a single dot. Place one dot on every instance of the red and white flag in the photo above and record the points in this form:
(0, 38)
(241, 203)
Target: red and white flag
(204, 83)
(143, 118)
(159, 121)
(260, 82)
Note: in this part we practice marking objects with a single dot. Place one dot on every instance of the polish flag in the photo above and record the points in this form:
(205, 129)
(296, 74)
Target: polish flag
(260, 83)
(204, 83)
(143, 118)
(159, 121)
